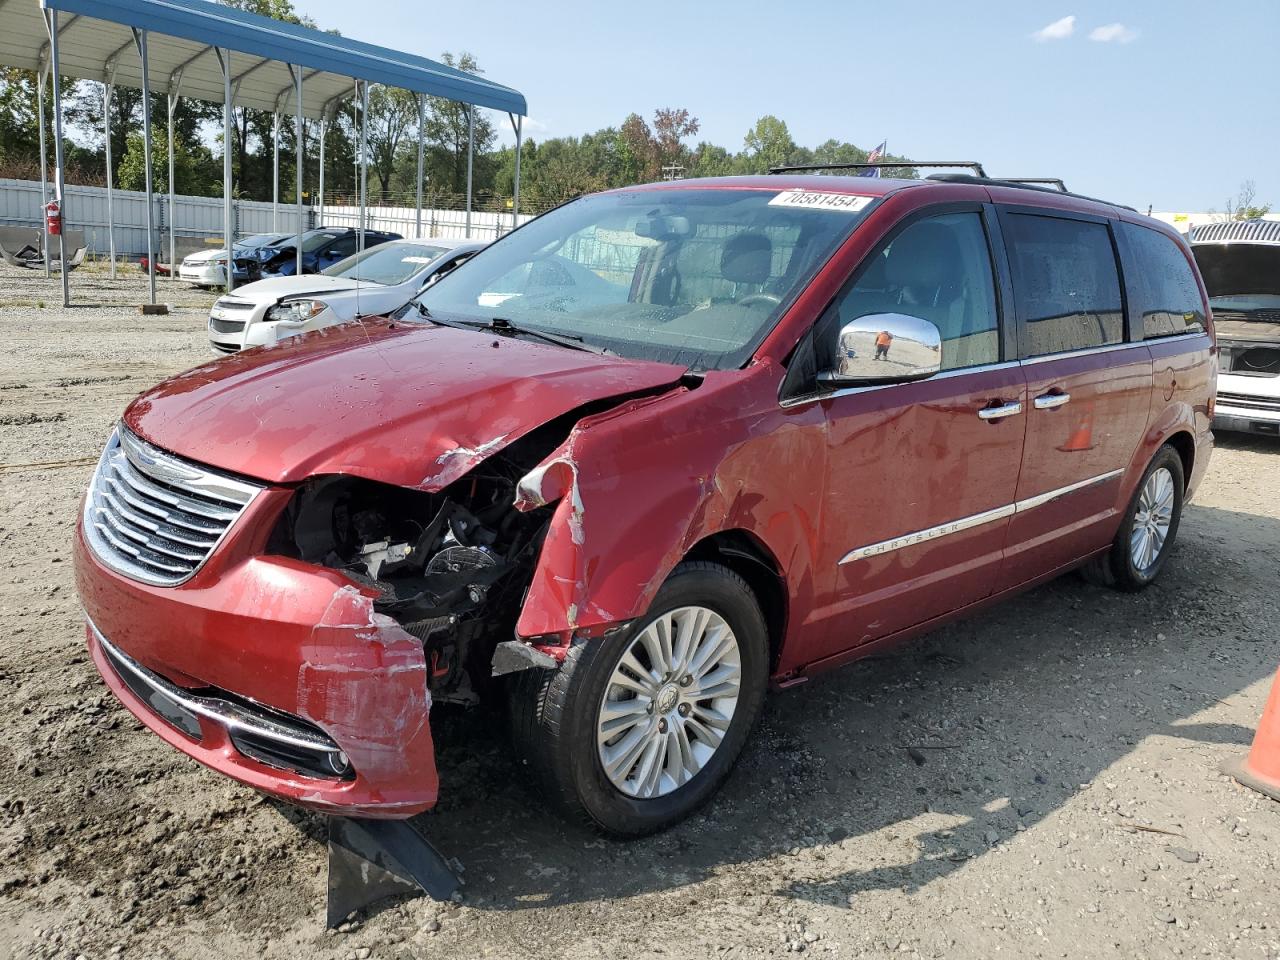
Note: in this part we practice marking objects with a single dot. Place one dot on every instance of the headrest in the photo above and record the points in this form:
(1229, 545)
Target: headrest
(746, 258)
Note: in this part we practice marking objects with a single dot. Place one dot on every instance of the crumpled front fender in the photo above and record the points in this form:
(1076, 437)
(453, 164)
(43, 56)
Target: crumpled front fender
(640, 485)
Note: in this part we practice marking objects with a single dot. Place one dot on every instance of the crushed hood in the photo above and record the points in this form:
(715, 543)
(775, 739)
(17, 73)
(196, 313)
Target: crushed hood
(309, 284)
(413, 405)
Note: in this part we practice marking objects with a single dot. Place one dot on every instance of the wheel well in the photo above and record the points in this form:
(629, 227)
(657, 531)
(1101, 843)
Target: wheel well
(750, 559)
(1186, 448)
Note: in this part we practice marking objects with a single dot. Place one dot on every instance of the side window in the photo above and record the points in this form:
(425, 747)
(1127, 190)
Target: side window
(1066, 283)
(938, 269)
(345, 246)
(1169, 295)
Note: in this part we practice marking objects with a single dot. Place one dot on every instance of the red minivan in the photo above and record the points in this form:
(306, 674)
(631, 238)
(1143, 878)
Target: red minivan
(631, 464)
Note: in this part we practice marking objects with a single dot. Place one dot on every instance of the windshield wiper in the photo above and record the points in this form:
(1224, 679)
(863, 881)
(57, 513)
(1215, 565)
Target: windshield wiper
(573, 342)
(501, 325)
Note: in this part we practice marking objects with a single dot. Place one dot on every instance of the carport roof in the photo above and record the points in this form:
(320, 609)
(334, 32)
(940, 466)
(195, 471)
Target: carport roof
(183, 36)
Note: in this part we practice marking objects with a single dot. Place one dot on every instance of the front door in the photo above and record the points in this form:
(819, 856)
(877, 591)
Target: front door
(1089, 389)
(921, 475)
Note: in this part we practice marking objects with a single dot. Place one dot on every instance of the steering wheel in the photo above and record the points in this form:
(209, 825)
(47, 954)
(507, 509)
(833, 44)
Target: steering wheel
(753, 298)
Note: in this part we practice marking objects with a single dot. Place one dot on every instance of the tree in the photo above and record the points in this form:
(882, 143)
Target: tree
(447, 131)
(1242, 205)
(393, 119)
(670, 127)
(768, 144)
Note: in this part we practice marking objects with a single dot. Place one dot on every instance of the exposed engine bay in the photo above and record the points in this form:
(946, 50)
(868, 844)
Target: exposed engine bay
(451, 567)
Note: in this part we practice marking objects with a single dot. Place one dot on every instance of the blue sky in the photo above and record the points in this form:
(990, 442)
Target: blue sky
(1170, 104)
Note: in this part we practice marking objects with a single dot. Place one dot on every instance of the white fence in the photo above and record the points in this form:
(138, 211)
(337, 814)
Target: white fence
(201, 217)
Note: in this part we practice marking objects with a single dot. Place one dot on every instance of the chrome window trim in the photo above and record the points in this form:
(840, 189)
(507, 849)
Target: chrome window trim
(228, 715)
(851, 391)
(975, 520)
(1005, 364)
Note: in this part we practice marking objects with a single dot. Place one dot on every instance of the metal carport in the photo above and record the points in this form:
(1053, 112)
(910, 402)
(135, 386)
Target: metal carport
(206, 51)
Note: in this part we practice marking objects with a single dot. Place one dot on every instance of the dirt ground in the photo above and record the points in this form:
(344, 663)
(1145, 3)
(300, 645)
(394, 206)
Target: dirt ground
(1039, 781)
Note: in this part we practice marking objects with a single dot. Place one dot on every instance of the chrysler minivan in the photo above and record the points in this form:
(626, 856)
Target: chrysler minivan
(632, 464)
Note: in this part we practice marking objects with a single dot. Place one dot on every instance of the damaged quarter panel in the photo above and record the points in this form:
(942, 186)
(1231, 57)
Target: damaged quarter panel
(641, 485)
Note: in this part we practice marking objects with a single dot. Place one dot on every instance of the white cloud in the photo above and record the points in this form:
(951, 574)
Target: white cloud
(1058, 30)
(1113, 33)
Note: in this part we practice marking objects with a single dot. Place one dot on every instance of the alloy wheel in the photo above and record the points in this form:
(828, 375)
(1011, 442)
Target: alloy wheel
(669, 702)
(1152, 520)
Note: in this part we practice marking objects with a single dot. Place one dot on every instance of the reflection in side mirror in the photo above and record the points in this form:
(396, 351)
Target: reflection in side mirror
(884, 348)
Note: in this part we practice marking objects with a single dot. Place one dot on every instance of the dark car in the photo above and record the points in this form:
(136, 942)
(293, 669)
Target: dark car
(642, 458)
(321, 248)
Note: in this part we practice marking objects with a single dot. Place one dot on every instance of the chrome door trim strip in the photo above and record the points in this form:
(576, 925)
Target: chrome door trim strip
(932, 533)
(1040, 499)
(976, 520)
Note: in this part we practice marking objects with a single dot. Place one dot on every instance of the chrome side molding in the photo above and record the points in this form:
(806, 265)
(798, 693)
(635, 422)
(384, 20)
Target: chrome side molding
(976, 520)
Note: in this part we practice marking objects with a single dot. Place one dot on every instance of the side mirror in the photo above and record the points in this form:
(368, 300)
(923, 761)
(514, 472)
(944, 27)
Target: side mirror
(884, 348)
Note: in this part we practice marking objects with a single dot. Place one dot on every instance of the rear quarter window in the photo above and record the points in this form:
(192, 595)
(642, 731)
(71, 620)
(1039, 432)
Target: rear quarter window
(1167, 292)
(1066, 283)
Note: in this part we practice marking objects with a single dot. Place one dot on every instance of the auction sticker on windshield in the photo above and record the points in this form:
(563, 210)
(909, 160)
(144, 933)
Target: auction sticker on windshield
(820, 201)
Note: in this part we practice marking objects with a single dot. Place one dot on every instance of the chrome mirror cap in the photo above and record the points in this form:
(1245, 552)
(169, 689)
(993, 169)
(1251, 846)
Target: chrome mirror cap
(884, 348)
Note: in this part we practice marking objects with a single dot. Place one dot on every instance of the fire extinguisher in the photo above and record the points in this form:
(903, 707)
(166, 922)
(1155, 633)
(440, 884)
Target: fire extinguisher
(53, 218)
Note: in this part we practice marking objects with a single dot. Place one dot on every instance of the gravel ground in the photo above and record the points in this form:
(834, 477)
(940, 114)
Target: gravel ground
(1039, 781)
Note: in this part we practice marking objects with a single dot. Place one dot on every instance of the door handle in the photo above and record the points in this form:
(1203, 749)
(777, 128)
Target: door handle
(1005, 410)
(1051, 401)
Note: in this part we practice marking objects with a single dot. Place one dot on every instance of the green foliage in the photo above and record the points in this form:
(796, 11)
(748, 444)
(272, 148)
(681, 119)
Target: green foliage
(768, 144)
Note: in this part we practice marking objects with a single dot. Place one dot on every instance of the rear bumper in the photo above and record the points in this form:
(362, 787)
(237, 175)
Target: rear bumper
(269, 660)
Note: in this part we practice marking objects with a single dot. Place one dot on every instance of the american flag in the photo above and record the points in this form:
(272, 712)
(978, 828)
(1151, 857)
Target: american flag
(872, 157)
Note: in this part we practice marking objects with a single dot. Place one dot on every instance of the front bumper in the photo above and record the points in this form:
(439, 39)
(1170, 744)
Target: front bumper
(275, 666)
(1250, 404)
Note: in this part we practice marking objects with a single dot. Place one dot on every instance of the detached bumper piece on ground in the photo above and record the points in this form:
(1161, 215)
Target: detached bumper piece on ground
(1260, 770)
(373, 859)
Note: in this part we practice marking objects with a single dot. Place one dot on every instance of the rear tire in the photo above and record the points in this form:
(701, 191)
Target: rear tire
(1145, 538)
(562, 720)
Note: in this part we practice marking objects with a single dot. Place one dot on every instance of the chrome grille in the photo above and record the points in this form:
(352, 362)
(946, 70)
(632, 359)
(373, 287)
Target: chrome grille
(1246, 402)
(154, 517)
(227, 305)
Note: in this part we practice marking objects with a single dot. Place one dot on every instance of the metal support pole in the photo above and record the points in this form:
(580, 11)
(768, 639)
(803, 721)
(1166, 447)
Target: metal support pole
(364, 159)
(108, 92)
(515, 199)
(301, 155)
(323, 127)
(275, 173)
(422, 122)
(140, 40)
(471, 149)
(173, 247)
(44, 167)
(59, 182)
(224, 60)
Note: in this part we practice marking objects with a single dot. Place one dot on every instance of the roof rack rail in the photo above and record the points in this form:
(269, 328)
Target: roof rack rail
(1040, 182)
(878, 164)
(1027, 183)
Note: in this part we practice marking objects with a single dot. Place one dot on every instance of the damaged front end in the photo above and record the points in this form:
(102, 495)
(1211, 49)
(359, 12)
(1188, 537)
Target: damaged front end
(451, 567)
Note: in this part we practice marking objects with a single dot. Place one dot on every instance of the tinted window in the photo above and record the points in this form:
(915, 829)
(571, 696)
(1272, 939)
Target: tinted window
(1066, 283)
(938, 269)
(1169, 296)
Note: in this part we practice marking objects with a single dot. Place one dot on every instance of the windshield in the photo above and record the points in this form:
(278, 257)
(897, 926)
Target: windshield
(387, 263)
(682, 275)
(312, 243)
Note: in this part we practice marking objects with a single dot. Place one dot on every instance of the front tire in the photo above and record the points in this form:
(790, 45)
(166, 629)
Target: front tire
(633, 733)
(1145, 538)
